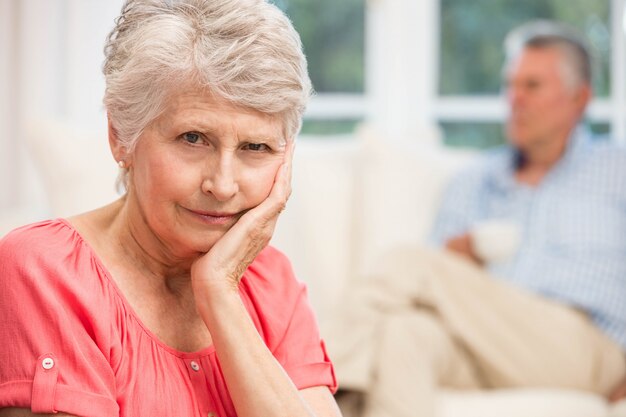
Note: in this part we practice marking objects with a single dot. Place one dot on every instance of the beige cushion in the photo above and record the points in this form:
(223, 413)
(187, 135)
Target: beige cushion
(76, 166)
(315, 231)
(400, 184)
(522, 403)
(618, 409)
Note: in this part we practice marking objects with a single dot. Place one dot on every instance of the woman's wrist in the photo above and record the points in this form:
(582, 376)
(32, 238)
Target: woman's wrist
(213, 296)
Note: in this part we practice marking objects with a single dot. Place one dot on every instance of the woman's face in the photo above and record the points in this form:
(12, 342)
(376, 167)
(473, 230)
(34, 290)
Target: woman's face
(199, 167)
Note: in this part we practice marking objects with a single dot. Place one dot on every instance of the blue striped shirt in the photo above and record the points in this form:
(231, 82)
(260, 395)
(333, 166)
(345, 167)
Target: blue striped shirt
(573, 246)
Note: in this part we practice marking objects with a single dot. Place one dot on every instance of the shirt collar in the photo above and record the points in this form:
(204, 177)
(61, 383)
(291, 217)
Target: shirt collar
(502, 175)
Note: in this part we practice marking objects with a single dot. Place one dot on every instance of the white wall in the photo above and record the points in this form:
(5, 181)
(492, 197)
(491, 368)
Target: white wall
(8, 143)
(50, 60)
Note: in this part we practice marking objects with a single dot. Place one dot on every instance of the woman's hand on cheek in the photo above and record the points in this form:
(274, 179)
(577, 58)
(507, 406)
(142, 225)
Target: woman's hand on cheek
(221, 268)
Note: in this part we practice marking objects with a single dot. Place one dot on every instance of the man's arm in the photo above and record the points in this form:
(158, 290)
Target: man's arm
(618, 393)
(458, 209)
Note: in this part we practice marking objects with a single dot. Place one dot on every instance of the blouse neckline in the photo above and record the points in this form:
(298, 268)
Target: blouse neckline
(127, 305)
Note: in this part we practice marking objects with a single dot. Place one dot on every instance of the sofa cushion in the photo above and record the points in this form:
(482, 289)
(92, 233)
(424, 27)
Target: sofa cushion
(522, 403)
(618, 409)
(399, 187)
(76, 166)
(315, 230)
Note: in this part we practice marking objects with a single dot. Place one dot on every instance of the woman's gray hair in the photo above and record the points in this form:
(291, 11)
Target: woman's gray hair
(244, 51)
(577, 63)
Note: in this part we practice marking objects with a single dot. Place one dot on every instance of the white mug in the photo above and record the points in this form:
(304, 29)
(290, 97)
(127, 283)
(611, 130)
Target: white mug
(496, 240)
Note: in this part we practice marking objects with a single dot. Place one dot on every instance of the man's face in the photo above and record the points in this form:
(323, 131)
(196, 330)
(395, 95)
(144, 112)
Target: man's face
(543, 106)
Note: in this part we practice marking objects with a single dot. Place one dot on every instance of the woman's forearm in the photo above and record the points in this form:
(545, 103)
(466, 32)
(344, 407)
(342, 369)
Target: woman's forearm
(257, 383)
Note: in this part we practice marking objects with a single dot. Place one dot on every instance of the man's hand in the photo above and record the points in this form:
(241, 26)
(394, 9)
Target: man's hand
(619, 393)
(462, 245)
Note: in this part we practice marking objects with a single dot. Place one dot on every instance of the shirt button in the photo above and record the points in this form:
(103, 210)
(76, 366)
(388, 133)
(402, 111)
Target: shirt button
(211, 414)
(194, 365)
(47, 363)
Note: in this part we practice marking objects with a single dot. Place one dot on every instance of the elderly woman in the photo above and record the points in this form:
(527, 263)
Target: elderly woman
(168, 302)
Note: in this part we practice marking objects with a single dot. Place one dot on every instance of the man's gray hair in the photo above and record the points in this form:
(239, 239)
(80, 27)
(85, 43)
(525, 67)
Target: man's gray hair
(548, 34)
(244, 51)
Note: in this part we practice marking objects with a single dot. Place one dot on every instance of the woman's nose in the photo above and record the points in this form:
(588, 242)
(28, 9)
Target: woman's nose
(220, 180)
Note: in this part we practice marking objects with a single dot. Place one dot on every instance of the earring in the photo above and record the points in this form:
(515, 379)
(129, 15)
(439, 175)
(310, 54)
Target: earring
(121, 164)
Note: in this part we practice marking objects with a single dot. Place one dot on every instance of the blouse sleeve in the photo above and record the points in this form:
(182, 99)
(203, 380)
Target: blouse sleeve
(285, 319)
(53, 356)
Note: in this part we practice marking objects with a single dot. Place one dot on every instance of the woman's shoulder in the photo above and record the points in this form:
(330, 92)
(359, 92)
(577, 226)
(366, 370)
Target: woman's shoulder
(49, 256)
(44, 239)
(54, 305)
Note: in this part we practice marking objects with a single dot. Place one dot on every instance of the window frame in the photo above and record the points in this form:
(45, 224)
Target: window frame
(406, 32)
(610, 110)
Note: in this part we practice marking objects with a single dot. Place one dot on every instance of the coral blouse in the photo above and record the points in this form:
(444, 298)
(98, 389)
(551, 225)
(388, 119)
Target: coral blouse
(70, 342)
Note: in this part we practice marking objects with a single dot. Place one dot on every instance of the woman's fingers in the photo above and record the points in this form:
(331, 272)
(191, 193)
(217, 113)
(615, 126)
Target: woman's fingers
(282, 184)
(267, 212)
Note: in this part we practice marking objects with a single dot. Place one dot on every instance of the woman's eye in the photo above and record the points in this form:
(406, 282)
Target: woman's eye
(257, 147)
(191, 137)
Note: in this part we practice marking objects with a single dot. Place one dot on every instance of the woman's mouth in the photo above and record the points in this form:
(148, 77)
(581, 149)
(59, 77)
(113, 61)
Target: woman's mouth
(213, 217)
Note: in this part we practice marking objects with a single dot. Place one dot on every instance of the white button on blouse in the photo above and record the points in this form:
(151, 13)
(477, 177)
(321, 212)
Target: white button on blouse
(47, 363)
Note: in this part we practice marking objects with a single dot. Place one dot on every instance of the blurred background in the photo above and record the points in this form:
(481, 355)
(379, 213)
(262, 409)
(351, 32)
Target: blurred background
(397, 65)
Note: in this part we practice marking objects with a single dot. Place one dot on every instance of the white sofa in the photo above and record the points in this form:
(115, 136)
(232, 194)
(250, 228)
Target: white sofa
(357, 197)
(354, 197)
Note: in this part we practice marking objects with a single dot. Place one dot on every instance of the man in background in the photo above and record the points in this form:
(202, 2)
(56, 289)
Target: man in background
(530, 289)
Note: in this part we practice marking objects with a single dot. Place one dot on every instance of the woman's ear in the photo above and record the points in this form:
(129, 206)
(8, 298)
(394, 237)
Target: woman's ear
(119, 151)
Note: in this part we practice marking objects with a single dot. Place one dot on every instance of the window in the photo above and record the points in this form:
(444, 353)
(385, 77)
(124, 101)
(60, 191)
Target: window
(471, 56)
(406, 63)
(332, 33)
